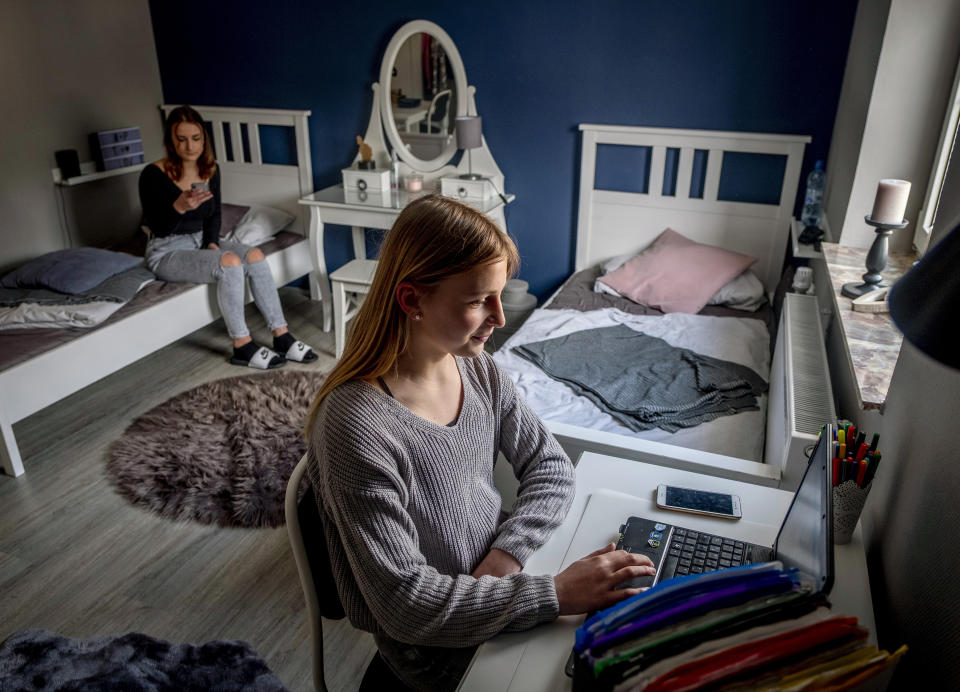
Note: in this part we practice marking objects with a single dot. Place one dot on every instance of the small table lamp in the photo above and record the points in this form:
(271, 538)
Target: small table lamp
(469, 137)
(923, 303)
(889, 208)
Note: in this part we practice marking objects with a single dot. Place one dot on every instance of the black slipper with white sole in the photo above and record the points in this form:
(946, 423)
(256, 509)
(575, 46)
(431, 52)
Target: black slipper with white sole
(259, 357)
(294, 349)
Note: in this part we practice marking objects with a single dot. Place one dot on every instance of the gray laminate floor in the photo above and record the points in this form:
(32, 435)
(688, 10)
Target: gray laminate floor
(77, 559)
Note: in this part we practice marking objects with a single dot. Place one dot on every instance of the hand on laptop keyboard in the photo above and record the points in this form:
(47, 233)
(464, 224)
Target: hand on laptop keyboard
(591, 582)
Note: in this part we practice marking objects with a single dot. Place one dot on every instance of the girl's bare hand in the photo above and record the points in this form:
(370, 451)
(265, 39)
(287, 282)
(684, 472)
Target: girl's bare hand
(190, 200)
(591, 582)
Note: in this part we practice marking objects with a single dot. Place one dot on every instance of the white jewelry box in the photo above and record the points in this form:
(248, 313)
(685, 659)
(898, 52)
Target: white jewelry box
(462, 188)
(369, 180)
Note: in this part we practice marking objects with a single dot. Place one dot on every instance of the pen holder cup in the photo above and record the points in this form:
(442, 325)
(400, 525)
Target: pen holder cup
(848, 501)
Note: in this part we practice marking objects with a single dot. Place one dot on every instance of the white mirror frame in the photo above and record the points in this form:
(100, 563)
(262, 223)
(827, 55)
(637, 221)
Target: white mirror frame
(386, 75)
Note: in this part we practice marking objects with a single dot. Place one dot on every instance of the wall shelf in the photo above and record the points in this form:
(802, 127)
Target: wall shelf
(88, 173)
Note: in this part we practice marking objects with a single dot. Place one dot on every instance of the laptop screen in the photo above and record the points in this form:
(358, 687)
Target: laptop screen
(805, 540)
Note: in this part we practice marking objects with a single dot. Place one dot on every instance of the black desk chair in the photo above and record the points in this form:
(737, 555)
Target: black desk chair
(316, 579)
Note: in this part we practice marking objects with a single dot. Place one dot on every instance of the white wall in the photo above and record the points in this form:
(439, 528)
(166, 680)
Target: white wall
(865, 44)
(69, 69)
(908, 97)
(409, 68)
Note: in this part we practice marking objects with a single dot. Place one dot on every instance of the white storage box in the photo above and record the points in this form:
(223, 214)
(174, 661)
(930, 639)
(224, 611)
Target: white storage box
(370, 180)
(461, 188)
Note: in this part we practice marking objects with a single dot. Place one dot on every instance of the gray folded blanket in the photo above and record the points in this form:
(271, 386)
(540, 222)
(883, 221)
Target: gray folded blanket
(644, 382)
(119, 288)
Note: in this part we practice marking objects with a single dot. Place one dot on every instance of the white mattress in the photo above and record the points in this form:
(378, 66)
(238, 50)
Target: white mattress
(740, 340)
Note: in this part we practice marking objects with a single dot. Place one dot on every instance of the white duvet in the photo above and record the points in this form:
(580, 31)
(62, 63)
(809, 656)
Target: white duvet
(737, 339)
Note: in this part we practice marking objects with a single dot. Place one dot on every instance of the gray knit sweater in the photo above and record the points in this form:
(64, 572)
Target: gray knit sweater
(410, 509)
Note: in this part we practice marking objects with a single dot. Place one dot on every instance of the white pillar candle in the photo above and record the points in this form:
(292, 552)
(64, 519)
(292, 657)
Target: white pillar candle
(890, 206)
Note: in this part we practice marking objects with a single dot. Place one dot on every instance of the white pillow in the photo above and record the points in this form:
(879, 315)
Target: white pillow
(260, 224)
(610, 265)
(744, 292)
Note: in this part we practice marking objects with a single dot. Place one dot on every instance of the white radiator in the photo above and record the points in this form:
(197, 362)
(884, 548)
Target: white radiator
(801, 397)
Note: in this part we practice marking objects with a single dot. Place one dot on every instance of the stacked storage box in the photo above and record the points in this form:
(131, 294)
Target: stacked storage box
(113, 149)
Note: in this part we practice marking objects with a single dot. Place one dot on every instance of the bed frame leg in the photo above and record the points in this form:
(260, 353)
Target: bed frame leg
(9, 453)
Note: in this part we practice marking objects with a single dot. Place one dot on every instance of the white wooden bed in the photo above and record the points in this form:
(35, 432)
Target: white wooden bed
(46, 378)
(613, 223)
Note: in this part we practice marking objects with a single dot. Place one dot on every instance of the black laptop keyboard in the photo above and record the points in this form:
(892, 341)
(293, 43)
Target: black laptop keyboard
(685, 551)
(696, 552)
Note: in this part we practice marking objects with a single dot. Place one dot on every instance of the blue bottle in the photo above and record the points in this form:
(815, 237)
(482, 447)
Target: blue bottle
(813, 200)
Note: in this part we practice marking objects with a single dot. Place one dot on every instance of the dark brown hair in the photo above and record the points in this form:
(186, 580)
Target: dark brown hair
(432, 239)
(173, 165)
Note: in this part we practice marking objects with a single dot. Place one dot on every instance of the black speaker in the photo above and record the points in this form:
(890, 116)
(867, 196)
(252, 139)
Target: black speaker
(68, 161)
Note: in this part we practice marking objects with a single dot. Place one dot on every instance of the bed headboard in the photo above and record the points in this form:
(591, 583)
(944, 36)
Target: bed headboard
(612, 223)
(244, 177)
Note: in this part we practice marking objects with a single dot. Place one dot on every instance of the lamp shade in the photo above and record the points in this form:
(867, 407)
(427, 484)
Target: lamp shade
(469, 132)
(925, 303)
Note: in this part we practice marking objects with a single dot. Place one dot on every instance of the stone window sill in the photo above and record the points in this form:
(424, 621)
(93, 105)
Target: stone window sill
(871, 340)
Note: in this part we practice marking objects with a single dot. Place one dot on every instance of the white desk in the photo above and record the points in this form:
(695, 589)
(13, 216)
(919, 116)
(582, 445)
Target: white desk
(335, 205)
(534, 660)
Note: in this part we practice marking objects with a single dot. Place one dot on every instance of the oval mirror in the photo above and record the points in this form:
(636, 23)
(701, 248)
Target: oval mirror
(424, 89)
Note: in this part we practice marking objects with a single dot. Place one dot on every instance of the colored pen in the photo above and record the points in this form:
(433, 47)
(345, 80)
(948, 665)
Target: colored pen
(861, 437)
(872, 471)
(843, 450)
(861, 452)
(874, 442)
(841, 436)
(836, 472)
(851, 435)
(861, 472)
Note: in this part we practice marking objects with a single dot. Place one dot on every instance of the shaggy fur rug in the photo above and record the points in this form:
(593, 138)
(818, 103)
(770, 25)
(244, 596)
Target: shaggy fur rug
(41, 660)
(221, 453)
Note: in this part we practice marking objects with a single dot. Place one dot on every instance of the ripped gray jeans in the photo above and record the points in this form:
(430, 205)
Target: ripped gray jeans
(179, 258)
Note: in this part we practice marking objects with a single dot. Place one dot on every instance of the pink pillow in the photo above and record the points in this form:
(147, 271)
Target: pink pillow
(676, 274)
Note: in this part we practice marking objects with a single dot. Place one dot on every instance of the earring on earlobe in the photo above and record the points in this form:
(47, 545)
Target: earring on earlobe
(418, 316)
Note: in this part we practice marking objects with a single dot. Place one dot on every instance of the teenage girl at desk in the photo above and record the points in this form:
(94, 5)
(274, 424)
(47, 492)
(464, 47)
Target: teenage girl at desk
(403, 438)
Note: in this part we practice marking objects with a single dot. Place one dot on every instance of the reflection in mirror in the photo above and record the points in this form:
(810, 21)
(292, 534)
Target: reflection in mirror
(423, 96)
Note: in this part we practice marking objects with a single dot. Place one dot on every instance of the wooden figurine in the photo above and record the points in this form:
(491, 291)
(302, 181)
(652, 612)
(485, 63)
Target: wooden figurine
(366, 155)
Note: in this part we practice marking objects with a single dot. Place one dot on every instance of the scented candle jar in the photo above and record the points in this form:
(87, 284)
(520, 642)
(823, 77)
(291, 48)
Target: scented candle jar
(413, 182)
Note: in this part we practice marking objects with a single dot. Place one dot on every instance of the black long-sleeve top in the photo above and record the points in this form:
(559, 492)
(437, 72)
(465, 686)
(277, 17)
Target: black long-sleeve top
(157, 195)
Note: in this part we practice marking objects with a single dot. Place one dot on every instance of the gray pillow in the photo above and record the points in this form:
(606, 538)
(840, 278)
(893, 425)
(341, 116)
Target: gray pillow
(70, 271)
(230, 215)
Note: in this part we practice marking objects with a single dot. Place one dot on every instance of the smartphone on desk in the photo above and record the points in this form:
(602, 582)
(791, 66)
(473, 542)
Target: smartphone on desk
(196, 187)
(699, 501)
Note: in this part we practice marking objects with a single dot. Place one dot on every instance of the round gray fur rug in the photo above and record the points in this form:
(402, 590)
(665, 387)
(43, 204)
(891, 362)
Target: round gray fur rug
(220, 453)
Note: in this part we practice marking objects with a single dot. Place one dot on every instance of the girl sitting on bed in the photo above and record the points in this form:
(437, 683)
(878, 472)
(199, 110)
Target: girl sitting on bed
(180, 196)
(403, 437)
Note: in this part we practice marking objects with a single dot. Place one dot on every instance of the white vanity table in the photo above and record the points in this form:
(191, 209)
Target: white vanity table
(370, 209)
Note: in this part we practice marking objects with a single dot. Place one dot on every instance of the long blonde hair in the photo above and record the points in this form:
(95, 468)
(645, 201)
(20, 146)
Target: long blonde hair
(432, 239)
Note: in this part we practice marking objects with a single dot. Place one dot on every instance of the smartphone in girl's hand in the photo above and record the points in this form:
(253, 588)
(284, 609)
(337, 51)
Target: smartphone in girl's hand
(195, 187)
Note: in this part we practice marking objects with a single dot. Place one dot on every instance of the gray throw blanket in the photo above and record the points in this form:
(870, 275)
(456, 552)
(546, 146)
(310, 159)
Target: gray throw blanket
(644, 382)
(119, 288)
(41, 660)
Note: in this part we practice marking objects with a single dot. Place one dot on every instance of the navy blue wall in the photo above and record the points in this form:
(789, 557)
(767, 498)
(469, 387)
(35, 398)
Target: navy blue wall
(540, 68)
